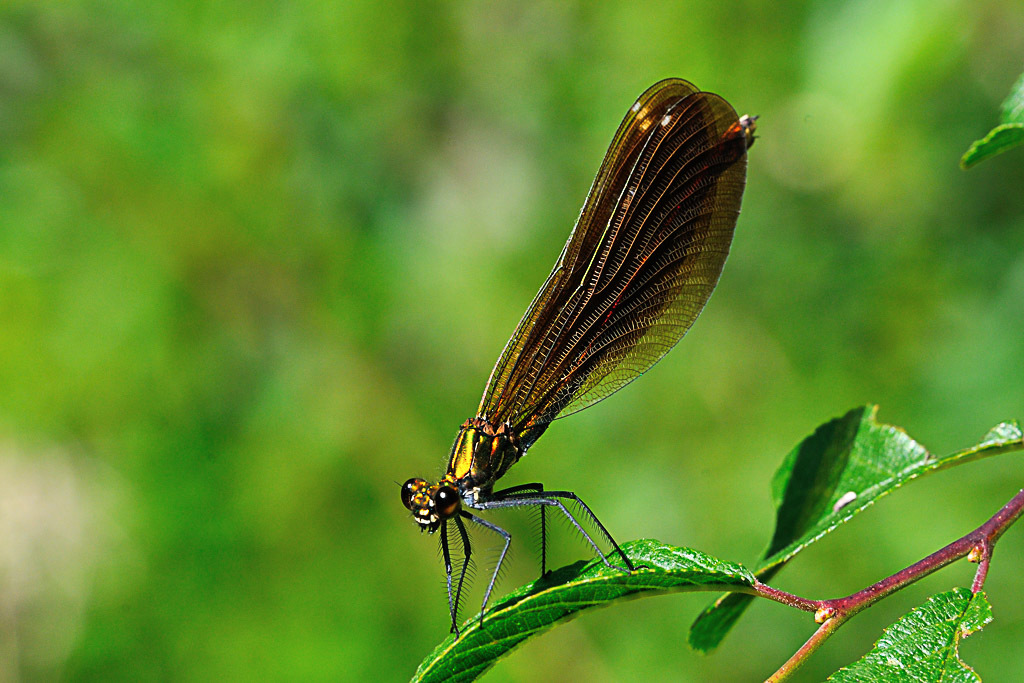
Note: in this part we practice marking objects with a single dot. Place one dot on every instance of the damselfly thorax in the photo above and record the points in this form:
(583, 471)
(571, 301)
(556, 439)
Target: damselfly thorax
(481, 454)
(642, 261)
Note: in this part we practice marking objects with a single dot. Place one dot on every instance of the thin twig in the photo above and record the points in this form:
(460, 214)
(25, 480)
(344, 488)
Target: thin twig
(766, 591)
(812, 644)
(982, 554)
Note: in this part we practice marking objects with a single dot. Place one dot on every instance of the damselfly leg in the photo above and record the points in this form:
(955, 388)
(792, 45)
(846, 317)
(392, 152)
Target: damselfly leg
(522, 496)
(454, 606)
(534, 494)
(534, 488)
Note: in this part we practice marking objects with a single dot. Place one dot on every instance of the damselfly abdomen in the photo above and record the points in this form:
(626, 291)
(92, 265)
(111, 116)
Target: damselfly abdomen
(638, 268)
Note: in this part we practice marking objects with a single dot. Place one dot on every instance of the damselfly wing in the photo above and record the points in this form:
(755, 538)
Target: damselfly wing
(646, 252)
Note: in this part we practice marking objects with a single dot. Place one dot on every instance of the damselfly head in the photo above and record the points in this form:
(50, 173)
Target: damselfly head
(430, 504)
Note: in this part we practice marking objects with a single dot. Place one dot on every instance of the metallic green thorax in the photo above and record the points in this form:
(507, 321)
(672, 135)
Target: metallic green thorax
(482, 454)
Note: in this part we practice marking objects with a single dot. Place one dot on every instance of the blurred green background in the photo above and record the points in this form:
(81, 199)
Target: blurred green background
(257, 259)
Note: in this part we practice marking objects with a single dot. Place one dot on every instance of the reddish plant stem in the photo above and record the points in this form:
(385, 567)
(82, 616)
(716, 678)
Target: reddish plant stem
(983, 557)
(812, 644)
(831, 614)
(766, 591)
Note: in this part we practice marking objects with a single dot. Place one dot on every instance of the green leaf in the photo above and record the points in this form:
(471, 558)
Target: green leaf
(834, 474)
(922, 646)
(562, 594)
(1000, 139)
(1008, 134)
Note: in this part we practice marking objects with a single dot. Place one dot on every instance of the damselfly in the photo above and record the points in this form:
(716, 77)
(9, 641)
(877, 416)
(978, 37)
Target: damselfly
(639, 266)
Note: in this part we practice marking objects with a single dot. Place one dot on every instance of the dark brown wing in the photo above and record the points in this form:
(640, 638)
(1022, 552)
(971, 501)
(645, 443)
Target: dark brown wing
(640, 264)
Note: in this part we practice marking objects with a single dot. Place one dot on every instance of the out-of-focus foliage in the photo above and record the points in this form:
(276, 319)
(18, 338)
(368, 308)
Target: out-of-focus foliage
(256, 260)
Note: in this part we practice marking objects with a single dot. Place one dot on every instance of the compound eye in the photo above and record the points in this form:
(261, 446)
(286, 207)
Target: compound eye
(446, 501)
(409, 489)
